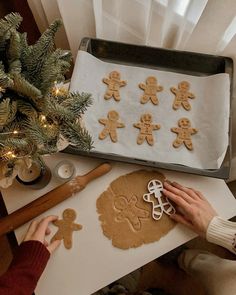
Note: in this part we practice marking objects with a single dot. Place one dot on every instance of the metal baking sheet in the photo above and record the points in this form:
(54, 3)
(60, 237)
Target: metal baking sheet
(184, 62)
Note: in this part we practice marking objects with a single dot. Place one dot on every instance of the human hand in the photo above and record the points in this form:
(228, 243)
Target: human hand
(38, 230)
(192, 208)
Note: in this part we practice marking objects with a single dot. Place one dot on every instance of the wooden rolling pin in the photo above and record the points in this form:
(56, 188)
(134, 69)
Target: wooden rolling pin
(50, 199)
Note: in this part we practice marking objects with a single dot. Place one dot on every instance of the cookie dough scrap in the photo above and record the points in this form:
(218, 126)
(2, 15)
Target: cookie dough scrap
(146, 128)
(182, 96)
(150, 90)
(125, 217)
(66, 226)
(184, 133)
(111, 124)
(114, 83)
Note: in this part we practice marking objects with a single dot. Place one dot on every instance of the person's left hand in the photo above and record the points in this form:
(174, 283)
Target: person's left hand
(38, 230)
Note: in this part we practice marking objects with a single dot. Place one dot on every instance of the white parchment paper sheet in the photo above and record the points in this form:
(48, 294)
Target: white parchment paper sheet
(209, 113)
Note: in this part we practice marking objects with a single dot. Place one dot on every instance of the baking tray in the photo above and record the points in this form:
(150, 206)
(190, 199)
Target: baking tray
(196, 64)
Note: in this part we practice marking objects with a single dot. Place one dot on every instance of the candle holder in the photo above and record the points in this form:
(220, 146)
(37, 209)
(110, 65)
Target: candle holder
(35, 177)
(64, 170)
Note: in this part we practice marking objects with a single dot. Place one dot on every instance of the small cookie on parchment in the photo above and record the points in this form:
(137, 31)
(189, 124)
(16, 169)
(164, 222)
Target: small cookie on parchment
(184, 133)
(150, 90)
(111, 123)
(146, 127)
(182, 95)
(66, 226)
(113, 85)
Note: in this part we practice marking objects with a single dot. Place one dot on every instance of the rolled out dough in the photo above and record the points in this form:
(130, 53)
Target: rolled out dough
(125, 217)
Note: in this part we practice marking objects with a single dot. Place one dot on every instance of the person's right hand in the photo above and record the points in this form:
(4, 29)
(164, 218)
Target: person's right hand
(193, 209)
(38, 230)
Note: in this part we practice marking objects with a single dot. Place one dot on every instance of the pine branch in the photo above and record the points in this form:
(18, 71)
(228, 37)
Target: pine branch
(10, 21)
(57, 112)
(5, 80)
(54, 68)
(77, 103)
(34, 62)
(77, 135)
(4, 111)
(14, 53)
(25, 88)
(27, 109)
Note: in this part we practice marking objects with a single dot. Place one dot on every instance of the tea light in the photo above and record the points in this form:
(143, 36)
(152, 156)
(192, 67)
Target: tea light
(27, 175)
(65, 170)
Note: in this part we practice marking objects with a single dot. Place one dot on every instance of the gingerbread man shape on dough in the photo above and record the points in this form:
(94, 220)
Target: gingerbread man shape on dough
(146, 127)
(182, 95)
(111, 123)
(113, 85)
(128, 210)
(66, 226)
(163, 205)
(150, 90)
(184, 133)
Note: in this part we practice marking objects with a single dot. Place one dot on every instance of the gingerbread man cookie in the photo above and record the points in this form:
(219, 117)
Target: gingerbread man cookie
(182, 95)
(150, 90)
(111, 123)
(113, 85)
(184, 133)
(146, 127)
(66, 226)
(128, 210)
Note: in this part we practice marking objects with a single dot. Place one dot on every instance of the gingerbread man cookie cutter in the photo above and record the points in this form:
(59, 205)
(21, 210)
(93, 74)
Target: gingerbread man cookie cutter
(182, 95)
(150, 90)
(66, 226)
(155, 188)
(128, 210)
(146, 127)
(113, 85)
(184, 133)
(111, 123)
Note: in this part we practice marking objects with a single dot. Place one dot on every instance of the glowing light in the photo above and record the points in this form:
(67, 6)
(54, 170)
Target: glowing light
(15, 132)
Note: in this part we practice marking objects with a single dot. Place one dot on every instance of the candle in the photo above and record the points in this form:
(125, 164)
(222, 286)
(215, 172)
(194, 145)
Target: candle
(65, 170)
(37, 176)
(28, 175)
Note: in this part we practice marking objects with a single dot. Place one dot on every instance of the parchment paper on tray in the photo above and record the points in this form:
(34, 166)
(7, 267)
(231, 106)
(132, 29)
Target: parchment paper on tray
(209, 113)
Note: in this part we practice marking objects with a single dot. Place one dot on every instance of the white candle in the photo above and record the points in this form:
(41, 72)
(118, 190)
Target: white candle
(65, 170)
(30, 174)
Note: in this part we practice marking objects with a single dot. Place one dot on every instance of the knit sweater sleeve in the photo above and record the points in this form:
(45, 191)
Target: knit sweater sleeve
(25, 270)
(223, 233)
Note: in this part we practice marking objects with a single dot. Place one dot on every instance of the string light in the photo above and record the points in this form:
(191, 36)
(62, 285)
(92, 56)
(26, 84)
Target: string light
(10, 154)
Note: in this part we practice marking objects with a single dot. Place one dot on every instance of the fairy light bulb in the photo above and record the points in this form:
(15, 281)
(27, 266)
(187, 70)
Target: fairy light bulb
(43, 118)
(15, 132)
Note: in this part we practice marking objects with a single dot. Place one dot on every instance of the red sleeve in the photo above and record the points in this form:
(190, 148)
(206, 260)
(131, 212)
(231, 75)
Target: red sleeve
(25, 270)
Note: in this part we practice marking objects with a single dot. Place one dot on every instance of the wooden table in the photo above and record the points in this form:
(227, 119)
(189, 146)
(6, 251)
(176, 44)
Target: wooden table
(93, 262)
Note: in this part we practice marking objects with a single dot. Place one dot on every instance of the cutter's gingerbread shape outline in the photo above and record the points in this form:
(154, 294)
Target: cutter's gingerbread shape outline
(133, 214)
(155, 188)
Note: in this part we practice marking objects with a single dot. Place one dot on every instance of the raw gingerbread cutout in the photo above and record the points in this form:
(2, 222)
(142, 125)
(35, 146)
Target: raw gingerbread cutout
(150, 90)
(182, 95)
(120, 231)
(146, 127)
(184, 133)
(111, 123)
(66, 226)
(113, 85)
(128, 210)
(163, 205)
